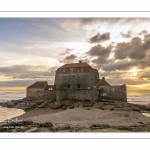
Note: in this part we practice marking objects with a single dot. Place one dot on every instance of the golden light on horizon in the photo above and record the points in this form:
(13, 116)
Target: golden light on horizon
(13, 88)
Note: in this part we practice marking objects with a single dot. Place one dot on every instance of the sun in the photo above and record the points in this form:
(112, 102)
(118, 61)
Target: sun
(133, 72)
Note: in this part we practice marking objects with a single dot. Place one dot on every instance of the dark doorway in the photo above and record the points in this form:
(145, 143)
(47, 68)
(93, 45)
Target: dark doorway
(68, 86)
(78, 86)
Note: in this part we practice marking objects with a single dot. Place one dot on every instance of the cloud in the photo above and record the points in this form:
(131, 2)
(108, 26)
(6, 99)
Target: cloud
(145, 74)
(66, 52)
(127, 35)
(136, 48)
(69, 59)
(22, 83)
(119, 65)
(99, 38)
(99, 53)
(126, 81)
(143, 32)
(28, 72)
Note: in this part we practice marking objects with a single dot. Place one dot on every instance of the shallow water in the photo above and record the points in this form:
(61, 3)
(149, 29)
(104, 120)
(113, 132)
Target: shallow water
(7, 113)
(138, 97)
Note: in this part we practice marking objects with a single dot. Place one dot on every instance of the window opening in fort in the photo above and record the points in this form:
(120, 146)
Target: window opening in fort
(68, 86)
(82, 69)
(78, 86)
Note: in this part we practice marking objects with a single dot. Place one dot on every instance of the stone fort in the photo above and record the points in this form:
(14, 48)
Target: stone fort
(77, 81)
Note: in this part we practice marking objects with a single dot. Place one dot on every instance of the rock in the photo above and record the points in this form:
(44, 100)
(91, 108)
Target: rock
(87, 108)
(76, 105)
(32, 129)
(87, 104)
(147, 108)
(118, 106)
(80, 105)
(56, 105)
(108, 107)
(109, 103)
(43, 105)
(28, 122)
(126, 108)
(70, 107)
(127, 105)
(118, 109)
(10, 104)
(98, 105)
(126, 115)
(135, 108)
(3, 104)
(46, 124)
(66, 102)
(64, 107)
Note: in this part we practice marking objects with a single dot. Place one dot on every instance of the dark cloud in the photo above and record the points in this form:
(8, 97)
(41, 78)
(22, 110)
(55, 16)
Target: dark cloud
(66, 52)
(126, 35)
(69, 59)
(135, 49)
(101, 53)
(99, 38)
(120, 65)
(143, 32)
(28, 72)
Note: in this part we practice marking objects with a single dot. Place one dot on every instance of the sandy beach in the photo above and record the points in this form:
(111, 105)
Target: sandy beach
(81, 117)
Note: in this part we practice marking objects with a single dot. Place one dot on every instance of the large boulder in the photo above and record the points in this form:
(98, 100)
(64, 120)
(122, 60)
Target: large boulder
(10, 104)
(135, 108)
(98, 105)
(147, 108)
(87, 104)
(70, 107)
(43, 105)
(118, 106)
(127, 108)
(108, 107)
(46, 124)
(56, 105)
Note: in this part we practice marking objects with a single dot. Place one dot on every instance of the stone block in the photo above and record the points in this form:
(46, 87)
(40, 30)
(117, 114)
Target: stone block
(98, 105)
(108, 107)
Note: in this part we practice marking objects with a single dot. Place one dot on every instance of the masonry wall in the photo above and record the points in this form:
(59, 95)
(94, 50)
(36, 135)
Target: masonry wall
(85, 80)
(31, 92)
(91, 94)
(46, 94)
(115, 92)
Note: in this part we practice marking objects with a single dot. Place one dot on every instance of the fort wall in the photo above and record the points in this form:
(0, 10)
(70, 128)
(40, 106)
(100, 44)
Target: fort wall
(46, 94)
(91, 94)
(115, 92)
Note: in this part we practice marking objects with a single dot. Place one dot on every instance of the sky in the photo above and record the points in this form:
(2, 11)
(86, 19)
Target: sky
(31, 49)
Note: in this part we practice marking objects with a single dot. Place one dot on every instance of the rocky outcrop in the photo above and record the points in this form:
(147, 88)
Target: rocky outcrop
(28, 104)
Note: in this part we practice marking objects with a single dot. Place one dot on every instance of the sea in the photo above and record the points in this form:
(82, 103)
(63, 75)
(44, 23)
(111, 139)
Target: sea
(133, 96)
